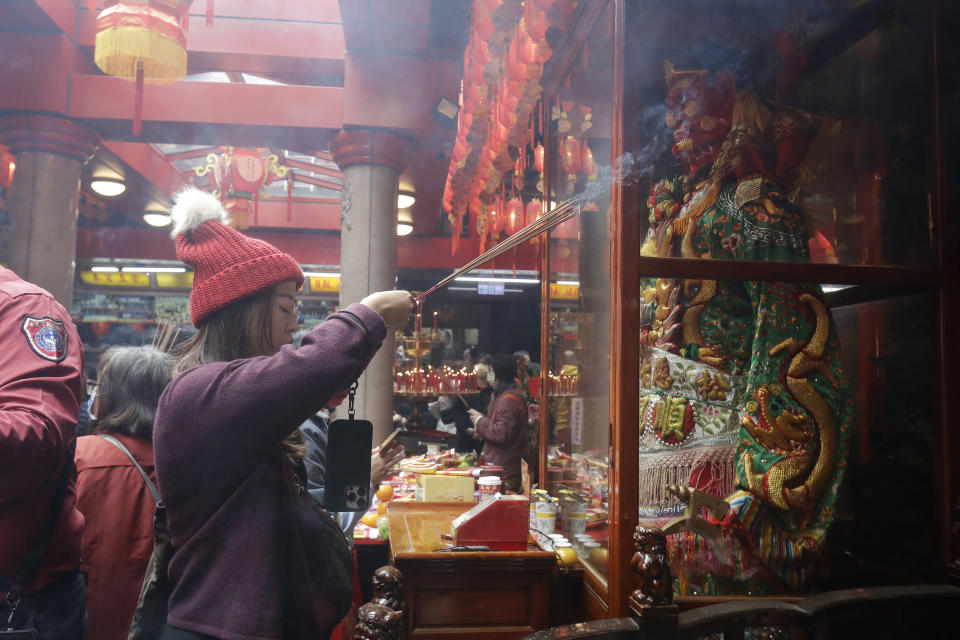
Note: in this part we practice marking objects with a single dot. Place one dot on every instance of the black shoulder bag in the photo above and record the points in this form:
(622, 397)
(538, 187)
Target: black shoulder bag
(28, 567)
(151, 613)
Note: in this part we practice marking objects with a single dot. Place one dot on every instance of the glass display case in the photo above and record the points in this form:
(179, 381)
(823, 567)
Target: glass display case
(759, 330)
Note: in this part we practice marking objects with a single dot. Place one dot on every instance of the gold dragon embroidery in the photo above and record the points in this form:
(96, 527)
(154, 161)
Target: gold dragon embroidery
(789, 431)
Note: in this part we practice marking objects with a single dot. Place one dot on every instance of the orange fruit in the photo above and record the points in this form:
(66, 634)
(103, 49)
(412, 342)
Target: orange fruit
(382, 508)
(568, 555)
(370, 518)
(384, 492)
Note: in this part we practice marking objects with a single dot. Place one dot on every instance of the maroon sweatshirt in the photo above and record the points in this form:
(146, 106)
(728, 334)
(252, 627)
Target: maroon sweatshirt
(216, 440)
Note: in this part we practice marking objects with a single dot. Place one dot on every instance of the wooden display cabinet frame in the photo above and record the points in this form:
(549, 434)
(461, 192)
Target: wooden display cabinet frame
(608, 598)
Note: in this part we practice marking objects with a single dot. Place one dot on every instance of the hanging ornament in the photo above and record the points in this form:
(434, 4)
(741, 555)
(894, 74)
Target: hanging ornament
(518, 168)
(570, 160)
(142, 41)
(563, 123)
(239, 175)
(587, 121)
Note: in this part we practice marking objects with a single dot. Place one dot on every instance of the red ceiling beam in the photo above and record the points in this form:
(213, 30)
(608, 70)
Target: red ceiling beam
(63, 14)
(34, 71)
(391, 91)
(290, 162)
(106, 97)
(286, 10)
(147, 160)
(257, 46)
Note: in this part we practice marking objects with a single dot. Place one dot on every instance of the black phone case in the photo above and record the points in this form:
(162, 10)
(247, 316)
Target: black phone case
(348, 465)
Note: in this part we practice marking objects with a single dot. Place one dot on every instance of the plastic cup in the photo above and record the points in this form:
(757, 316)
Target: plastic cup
(488, 487)
(574, 517)
(547, 517)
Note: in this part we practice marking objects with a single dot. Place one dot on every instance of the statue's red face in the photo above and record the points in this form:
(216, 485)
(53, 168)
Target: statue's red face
(700, 112)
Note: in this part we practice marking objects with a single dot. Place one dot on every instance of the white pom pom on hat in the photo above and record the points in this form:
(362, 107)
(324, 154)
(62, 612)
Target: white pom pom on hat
(192, 207)
(227, 265)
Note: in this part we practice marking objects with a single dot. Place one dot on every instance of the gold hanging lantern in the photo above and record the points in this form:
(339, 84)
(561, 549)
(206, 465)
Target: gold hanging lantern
(143, 41)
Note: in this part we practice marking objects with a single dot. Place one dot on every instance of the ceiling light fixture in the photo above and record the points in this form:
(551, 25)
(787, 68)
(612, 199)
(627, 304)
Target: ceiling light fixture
(108, 187)
(104, 269)
(320, 274)
(404, 223)
(445, 112)
(156, 219)
(405, 199)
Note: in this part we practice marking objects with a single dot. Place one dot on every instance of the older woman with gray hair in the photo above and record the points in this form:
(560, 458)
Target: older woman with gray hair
(112, 493)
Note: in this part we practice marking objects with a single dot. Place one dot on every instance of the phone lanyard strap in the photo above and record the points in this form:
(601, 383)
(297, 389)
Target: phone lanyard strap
(351, 412)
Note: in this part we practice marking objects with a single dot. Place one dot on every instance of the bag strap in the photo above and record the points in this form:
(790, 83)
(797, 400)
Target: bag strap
(146, 479)
(28, 567)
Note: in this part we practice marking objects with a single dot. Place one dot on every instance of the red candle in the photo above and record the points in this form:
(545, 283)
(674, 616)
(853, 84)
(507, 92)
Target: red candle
(434, 321)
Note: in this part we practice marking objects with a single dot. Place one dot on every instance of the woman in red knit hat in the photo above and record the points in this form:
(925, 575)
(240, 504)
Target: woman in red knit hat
(253, 558)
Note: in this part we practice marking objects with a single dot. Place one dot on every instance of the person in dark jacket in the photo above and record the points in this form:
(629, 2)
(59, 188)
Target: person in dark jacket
(41, 373)
(253, 555)
(504, 427)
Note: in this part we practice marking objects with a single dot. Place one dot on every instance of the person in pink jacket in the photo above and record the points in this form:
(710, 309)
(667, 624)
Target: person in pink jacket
(504, 427)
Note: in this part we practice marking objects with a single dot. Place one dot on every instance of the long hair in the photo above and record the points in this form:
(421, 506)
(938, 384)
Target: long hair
(129, 383)
(230, 333)
(234, 332)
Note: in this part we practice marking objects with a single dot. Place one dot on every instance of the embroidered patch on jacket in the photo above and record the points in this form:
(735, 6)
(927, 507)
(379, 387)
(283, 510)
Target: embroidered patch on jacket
(46, 336)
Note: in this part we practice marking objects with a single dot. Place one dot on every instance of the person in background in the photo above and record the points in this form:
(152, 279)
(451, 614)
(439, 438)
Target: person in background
(83, 411)
(111, 493)
(471, 356)
(41, 380)
(457, 412)
(504, 427)
(253, 556)
(522, 361)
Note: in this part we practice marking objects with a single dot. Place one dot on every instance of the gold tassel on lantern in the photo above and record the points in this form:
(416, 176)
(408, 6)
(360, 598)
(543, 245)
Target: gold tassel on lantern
(127, 34)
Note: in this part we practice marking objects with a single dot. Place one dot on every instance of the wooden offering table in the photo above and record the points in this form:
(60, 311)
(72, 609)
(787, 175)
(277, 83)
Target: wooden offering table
(495, 594)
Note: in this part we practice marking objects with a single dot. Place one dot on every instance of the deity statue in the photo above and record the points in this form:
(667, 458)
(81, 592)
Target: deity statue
(743, 393)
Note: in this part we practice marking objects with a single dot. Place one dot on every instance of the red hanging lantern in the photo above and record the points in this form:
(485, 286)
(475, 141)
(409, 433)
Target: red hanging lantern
(570, 160)
(533, 211)
(513, 214)
(589, 167)
(538, 158)
(142, 40)
(535, 21)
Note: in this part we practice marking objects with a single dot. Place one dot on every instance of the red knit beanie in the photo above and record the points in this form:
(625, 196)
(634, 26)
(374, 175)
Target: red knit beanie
(228, 266)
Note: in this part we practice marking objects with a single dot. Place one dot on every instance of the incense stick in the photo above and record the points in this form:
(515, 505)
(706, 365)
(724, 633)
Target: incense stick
(560, 214)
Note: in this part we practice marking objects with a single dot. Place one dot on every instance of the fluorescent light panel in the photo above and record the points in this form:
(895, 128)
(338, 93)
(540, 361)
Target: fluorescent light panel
(568, 283)
(497, 280)
(320, 274)
(104, 269)
(154, 270)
